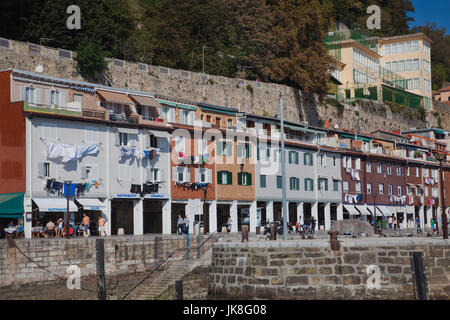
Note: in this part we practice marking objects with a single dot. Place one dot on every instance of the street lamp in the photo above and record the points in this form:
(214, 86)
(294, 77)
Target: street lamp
(205, 189)
(374, 195)
(67, 214)
(441, 156)
(283, 169)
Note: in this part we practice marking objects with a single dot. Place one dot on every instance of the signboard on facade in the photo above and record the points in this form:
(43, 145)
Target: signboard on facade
(126, 195)
(195, 206)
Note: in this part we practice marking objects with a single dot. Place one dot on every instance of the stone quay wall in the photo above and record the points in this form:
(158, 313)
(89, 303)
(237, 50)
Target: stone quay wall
(310, 270)
(246, 95)
(123, 255)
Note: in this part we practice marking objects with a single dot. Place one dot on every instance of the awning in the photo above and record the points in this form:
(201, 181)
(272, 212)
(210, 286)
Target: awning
(91, 204)
(362, 209)
(169, 103)
(439, 131)
(145, 100)
(159, 134)
(54, 205)
(115, 97)
(410, 210)
(11, 205)
(127, 130)
(348, 136)
(215, 110)
(295, 128)
(351, 210)
(385, 210)
(183, 106)
(363, 139)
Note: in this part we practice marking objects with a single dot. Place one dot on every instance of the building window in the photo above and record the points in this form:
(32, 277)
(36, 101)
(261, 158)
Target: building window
(29, 95)
(309, 184)
(369, 188)
(230, 123)
(79, 99)
(224, 177)
(389, 169)
(358, 187)
(187, 117)
(279, 182)
(244, 179)
(407, 171)
(381, 188)
(123, 139)
(263, 181)
(308, 159)
(294, 183)
(153, 141)
(368, 167)
(336, 185)
(54, 98)
(399, 170)
(46, 169)
(243, 150)
(180, 145)
(224, 148)
(426, 191)
(293, 157)
(346, 186)
(417, 172)
(334, 161)
(390, 189)
(379, 168)
(167, 113)
(323, 184)
(399, 190)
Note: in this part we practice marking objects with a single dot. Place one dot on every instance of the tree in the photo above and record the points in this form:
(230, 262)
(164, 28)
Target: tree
(90, 60)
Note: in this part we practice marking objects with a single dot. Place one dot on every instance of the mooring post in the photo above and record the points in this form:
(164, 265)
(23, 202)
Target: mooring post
(179, 289)
(418, 274)
(100, 250)
(334, 243)
(187, 255)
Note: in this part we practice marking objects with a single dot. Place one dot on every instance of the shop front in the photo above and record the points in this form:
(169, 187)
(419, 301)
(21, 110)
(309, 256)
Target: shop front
(52, 209)
(94, 209)
(122, 213)
(11, 210)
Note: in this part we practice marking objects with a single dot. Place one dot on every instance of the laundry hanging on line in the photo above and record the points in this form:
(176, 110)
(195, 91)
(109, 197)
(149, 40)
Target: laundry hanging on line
(69, 152)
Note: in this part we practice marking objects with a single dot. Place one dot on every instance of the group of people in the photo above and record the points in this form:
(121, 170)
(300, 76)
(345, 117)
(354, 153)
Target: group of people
(307, 226)
(182, 224)
(13, 229)
(83, 229)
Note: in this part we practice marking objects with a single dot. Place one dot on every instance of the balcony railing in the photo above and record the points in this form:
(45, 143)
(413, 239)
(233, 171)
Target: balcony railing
(51, 109)
(95, 114)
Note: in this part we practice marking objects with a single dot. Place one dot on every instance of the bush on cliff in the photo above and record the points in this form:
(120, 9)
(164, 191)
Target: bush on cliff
(90, 60)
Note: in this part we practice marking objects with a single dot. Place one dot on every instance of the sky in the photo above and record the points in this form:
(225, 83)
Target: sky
(432, 11)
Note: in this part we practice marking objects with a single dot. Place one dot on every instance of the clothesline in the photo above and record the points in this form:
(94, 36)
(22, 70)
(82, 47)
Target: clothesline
(69, 152)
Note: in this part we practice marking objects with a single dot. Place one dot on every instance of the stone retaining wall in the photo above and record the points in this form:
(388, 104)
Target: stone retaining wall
(123, 255)
(310, 270)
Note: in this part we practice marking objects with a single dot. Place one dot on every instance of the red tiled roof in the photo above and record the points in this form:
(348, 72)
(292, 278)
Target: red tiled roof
(116, 97)
(444, 89)
(145, 100)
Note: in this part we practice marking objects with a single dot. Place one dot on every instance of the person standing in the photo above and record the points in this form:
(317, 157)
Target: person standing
(186, 224)
(418, 230)
(85, 223)
(101, 226)
(245, 223)
(390, 223)
(180, 224)
(394, 222)
(229, 223)
(313, 225)
(432, 224)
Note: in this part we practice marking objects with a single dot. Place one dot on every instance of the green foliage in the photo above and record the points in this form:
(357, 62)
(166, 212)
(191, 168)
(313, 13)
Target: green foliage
(421, 113)
(440, 123)
(250, 89)
(354, 103)
(90, 60)
(435, 114)
(339, 106)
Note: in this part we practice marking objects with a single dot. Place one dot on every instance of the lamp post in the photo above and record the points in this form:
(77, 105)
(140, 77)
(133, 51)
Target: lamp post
(67, 214)
(441, 158)
(374, 195)
(283, 169)
(205, 189)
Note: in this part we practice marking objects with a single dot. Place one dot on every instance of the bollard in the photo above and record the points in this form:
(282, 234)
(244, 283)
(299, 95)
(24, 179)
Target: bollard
(179, 289)
(244, 231)
(334, 243)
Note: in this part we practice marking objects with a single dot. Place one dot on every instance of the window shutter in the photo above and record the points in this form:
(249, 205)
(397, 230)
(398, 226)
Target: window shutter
(344, 162)
(229, 151)
(209, 176)
(249, 179)
(38, 96)
(174, 174)
(162, 174)
(132, 139)
(219, 177)
(23, 93)
(40, 169)
(48, 97)
(239, 150)
(239, 178)
(304, 159)
(219, 148)
(257, 152)
(229, 178)
(62, 99)
(249, 151)
(197, 175)
(117, 138)
(290, 157)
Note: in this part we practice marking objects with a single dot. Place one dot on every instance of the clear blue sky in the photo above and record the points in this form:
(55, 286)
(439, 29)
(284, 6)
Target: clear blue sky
(437, 11)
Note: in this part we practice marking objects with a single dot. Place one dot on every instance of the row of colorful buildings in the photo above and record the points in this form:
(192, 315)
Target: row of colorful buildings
(140, 159)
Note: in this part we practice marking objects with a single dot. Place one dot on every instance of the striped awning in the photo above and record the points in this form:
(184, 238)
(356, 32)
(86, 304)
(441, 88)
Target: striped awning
(362, 209)
(351, 210)
(115, 97)
(145, 100)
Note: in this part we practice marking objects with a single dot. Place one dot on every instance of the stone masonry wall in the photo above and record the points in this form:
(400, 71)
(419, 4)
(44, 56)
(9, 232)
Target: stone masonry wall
(248, 96)
(310, 270)
(123, 255)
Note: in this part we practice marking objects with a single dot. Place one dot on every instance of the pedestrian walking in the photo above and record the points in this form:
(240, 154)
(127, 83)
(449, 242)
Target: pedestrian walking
(390, 223)
(85, 224)
(432, 224)
(418, 229)
(186, 224)
(101, 226)
(180, 223)
(313, 225)
(394, 222)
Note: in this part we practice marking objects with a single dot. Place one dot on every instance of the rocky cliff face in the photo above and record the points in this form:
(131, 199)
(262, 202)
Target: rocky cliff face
(247, 96)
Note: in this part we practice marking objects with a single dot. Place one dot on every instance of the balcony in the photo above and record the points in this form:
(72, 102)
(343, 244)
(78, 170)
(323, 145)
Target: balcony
(69, 110)
(94, 114)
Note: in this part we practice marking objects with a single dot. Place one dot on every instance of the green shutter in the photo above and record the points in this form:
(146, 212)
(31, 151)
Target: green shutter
(304, 159)
(257, 152)
(296, 158)
(248, 147)
(239, 178)
(249, 179)
(229, 178)
(219, 177)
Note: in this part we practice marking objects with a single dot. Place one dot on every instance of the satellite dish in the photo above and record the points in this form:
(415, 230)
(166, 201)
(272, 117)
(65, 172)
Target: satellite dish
(39, 68)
